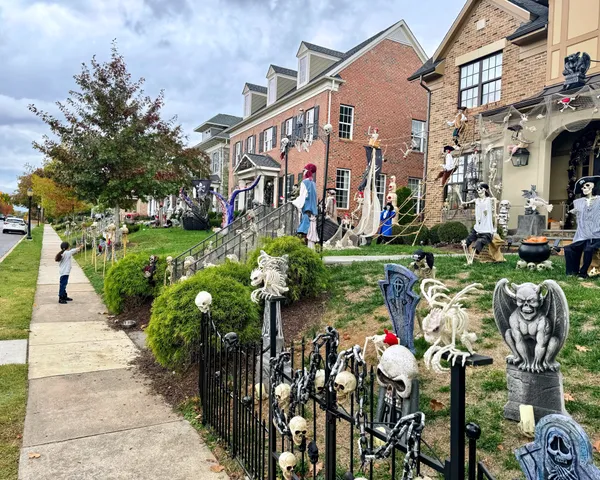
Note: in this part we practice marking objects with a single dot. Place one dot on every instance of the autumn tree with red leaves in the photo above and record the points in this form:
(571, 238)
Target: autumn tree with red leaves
(6, 207)
(112, 146)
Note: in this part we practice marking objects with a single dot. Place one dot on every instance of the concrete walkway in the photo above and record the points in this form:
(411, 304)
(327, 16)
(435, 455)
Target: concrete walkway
(88, 416)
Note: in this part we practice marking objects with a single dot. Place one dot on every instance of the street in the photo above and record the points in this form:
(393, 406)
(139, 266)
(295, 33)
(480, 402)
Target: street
(7, 240)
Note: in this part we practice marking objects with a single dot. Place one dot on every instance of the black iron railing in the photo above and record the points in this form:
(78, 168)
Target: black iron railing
(236, 405)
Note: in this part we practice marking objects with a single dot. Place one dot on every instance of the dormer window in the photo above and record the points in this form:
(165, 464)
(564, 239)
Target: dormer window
(272, 88)
(302, 70)
(247, 105)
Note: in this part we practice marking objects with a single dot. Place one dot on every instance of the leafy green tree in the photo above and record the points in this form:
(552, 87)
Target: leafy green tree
(112, 146)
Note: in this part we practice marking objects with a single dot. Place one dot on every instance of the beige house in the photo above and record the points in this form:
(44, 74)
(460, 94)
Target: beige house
(503, 60)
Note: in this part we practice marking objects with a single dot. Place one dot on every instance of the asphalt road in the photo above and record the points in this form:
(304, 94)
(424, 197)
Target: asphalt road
(7, 240)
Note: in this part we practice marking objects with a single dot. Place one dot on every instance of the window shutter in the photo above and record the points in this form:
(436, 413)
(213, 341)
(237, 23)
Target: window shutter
(254, 143)
(274, 137)
(294, 126)
(261, 141)
(316, 123)
(283, 133)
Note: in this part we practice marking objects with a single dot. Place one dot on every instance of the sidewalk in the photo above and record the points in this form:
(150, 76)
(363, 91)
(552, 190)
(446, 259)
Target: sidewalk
(88, 416)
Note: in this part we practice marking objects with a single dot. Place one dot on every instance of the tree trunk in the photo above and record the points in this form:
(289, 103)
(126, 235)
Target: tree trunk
(117, 220)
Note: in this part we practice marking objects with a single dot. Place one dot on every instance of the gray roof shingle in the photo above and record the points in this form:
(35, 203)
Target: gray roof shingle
(256, 88)
(224, 120)
(325, 51)
(539, 12)
(427, 67)
(263, 160)
(284, 71)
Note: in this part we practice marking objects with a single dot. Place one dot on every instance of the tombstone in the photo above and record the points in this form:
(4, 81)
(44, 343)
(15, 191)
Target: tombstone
(533, 374)
(401, 302)
(530, 225)
(561, 451)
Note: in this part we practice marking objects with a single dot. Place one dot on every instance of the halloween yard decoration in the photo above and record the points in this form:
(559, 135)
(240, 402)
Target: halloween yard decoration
(459, 124)
(386, 217)
(330, 205)
(561, 451)
(306, 203)
(150, 269)
(397, 375)
(228, 205)
(195, 217)
(271, 273)
(391, 196)
(446, 323)
(504, 216)
(423, 264)
(534, 322)
(169, 271)
(449, 165)
(587, 236)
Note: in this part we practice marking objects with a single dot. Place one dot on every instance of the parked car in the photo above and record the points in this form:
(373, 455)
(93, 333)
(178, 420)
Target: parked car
(13, 224)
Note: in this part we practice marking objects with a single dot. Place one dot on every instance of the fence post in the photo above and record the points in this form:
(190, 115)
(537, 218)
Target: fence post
(330, 418)
(473, 433)
(272, 354)
(236, 408)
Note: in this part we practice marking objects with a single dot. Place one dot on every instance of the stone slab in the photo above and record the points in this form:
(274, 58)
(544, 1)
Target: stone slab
(75, 406)
(139, 338)
(544, 391)
(49, 276)
(80, 357)
(171, 451)
(70, 332)
(13, 351)
(69, 312)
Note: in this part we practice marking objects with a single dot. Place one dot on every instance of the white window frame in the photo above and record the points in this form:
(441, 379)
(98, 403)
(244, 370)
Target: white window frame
(238, 152)
(268, 139)
(417, 136)
(247, 105)
(309, 120)
(473, 77)
(215, 163)
(272, 90)
(338, 197)
(380, 184)
(415, 191)
(351, 124)
(250, 147)
(288, 127)
(303, 74)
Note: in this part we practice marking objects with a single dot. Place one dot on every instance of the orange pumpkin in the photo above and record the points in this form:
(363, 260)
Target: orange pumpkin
(537, 240)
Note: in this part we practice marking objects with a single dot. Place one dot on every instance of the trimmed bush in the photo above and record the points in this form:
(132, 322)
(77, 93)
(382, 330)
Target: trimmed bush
(240, 272)
(307, 275)
(434, 236)
(174, 328)
(125, 284)
(406, 214)
(452, 232)
(134, 227)
(408, 234)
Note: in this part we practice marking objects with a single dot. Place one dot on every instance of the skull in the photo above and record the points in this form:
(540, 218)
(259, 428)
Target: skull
(232, 257)
(541, 267)
(560, 455)
(169, 260)
(345, 384)
(260, 393)
(528, 299)
(521, 264)
(377, 442)
(124, 230)
(587, 188)
(531, 266)
(328, 128)
(204, 301)
(504, 205)
(287, 463)
(397, 369)
(282, 394)
(320, 381)
(298, 427)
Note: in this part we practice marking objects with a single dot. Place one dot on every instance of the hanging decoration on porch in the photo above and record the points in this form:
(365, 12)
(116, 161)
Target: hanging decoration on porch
(228, 205)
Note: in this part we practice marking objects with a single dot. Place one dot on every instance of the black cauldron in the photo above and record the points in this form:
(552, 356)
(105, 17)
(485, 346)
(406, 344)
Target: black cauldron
(534, 252)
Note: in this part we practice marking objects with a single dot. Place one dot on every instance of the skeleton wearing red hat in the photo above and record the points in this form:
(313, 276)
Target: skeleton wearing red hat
(307, 204)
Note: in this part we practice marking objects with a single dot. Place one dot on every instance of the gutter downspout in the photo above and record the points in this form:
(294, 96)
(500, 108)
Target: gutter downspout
(425, 157)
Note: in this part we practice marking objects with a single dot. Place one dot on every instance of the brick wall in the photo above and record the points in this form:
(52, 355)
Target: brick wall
(521, 78)
(376, 86)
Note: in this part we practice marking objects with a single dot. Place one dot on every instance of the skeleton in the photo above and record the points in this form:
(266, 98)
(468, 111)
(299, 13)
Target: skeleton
(232, 257)
(397, 369)
(504, 216)
(203, 301)
(381, 342)
(298, 427)
(282, 394)
(272, 274)
(534, 322)
(169, 271)
(446, 322)
(344, 384)
(260, 393)
(287, 463)
(534, 201)
(422, 264)
(188, 267)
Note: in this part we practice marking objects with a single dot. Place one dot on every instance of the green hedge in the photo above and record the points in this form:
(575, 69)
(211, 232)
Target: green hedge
(452, 232)
(307, 275)
(174, 328)
(125, 285)
(434, 236)
(409, 233)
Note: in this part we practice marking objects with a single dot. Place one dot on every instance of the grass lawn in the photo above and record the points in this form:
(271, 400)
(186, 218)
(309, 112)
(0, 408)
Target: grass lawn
(356, 308)
(375, 249)
(18, 278)
(153, 241)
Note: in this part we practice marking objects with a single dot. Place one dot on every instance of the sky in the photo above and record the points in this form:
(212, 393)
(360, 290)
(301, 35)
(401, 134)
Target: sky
(200, 52)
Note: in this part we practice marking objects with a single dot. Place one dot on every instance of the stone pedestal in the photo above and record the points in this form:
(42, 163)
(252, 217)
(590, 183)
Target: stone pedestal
(542, 390)
(530, 225)
(403, 406)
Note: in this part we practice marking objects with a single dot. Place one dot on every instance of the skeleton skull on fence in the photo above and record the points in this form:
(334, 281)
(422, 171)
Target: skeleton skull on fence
(397, 369)
(287, 463)
(203, 301)
(344, 384)
(299, 428)
(282, 394)
(320, 382)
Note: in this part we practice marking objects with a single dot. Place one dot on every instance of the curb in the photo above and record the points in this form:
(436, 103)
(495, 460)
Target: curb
(13, 247)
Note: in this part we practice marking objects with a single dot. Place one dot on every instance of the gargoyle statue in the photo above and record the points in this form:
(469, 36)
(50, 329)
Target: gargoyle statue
(534, 322)
(577, 63)
(446, 322)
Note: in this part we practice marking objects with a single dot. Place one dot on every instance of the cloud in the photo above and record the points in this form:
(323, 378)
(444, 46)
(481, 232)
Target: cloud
(200, 53)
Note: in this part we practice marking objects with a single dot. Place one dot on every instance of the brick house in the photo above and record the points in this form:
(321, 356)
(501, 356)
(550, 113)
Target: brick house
(503, 60)
(365, 86)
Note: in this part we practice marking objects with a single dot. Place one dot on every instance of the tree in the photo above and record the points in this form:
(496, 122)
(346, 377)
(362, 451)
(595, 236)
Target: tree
(112, 147)
(20, 196)
(57, 200)
(6, 207)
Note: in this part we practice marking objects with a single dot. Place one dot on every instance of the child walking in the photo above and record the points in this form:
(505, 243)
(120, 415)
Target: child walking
(64, 268)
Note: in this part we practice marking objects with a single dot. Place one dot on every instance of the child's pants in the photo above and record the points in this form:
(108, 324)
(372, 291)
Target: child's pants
(62, 292)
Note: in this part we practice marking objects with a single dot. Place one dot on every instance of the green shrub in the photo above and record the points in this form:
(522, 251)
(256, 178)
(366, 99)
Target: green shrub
(307, 276)
(406, 234)
(125, 284)
(240, 272)
(452, 232)
(406, 210)
(434, 236)
(134, 227)
(174, 328)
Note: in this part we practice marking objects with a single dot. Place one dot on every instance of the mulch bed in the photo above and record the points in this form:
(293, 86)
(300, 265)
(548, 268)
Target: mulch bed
(140, 314)
(303, 314)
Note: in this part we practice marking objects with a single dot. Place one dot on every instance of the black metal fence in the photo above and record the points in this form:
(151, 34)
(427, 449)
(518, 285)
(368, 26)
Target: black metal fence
(237, 403)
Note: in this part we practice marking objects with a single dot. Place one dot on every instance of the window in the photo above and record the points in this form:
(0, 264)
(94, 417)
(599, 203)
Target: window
(238, 152)
(342, 185)
(481, 82)
(417, 135)
(414, 184)
(268, 139)
(247, 105)
(346, 121)
(250, 144)
(215, 166)
(380, 185)
(288, 127)
(272, 87)
(464, 180)
(309, 121)
(303, 70)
